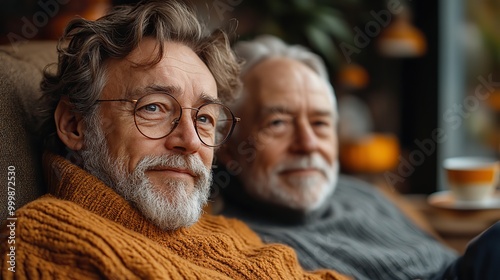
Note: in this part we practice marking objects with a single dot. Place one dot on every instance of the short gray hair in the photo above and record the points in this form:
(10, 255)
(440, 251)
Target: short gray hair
(268, 46)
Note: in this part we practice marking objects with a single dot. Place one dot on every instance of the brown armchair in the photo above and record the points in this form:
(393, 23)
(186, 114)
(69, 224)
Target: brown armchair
(21, 69)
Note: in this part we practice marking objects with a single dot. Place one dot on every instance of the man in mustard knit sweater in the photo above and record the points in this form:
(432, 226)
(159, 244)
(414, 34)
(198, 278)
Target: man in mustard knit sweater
(132, 116)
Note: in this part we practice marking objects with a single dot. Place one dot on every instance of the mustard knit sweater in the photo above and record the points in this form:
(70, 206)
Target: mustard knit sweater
(84, 230)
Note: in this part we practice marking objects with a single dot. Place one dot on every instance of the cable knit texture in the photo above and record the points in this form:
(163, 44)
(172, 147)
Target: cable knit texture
(84, 230)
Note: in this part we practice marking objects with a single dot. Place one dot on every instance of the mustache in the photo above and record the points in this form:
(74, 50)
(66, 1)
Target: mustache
(191, 163)
(312, 161)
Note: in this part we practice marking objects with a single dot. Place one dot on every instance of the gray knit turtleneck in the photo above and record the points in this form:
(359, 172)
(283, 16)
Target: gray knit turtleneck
(359, 233)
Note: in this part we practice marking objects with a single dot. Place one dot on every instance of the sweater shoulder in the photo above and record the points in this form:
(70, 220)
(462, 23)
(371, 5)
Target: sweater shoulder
(43, 202)
(229, 226)
(354, 186)
(361, 194)
(58, 238)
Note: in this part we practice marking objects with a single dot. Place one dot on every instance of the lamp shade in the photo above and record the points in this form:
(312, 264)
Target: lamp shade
(401, 39)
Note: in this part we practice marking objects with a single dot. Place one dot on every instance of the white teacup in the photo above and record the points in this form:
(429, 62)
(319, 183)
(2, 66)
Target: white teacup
(472, 179)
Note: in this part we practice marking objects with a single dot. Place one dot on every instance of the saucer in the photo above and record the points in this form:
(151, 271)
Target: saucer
(445, 199)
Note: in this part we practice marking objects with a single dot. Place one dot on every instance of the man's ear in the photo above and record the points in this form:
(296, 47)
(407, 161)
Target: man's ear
(69, 125)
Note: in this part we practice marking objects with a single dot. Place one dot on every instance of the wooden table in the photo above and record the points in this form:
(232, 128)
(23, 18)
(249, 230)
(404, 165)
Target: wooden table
(456, 227)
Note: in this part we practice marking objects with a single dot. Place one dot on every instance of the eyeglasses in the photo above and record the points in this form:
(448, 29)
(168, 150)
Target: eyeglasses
(157, 115)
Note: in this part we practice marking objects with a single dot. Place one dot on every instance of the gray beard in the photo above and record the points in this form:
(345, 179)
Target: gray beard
(300, 194)
(168, 206)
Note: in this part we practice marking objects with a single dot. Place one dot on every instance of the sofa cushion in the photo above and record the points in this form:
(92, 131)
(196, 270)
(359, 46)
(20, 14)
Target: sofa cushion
(20, 75)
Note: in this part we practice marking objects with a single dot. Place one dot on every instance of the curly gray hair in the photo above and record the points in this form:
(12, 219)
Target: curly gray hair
(86, 46)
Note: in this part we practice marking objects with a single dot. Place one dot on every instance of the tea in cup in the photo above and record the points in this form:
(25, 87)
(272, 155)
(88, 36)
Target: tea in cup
(472, 179)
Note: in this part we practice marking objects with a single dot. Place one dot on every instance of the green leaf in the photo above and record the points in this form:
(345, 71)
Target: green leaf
(302, 4)
(334, 26)
(322, 43)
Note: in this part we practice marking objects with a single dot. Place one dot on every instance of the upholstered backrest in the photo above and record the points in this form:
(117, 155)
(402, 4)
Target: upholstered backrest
(21, 69)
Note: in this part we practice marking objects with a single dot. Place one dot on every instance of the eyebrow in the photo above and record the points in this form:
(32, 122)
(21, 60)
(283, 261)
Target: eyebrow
(284, 110)
(175, 91)
(268, 110)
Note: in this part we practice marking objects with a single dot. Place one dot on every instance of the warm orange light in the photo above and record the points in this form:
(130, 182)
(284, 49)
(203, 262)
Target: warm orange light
(372, 153)
(494, 100)
(353, 76)
(402, 39)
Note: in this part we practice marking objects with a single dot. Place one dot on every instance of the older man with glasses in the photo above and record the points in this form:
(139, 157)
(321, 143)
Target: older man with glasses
(132, 116)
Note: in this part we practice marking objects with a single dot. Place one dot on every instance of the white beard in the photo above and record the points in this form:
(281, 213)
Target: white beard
(294, 192)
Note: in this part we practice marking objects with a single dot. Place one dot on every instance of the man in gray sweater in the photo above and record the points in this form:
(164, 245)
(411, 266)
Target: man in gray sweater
(280, 174)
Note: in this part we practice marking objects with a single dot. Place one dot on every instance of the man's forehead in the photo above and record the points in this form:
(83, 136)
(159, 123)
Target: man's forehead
(289, 101)
(179, 71)
(283, 75)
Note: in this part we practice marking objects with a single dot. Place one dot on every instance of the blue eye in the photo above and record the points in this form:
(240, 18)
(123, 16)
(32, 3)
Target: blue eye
(278, 126)
(202, 119)
(277, 122)
(151, 108)
(320, 123)
(206, 120)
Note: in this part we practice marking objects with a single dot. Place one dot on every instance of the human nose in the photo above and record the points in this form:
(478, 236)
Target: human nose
(184, 137)
(306, 139)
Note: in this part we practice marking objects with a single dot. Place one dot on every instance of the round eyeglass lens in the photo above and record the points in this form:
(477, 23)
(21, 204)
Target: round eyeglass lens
(156, 115)
(214, 123)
